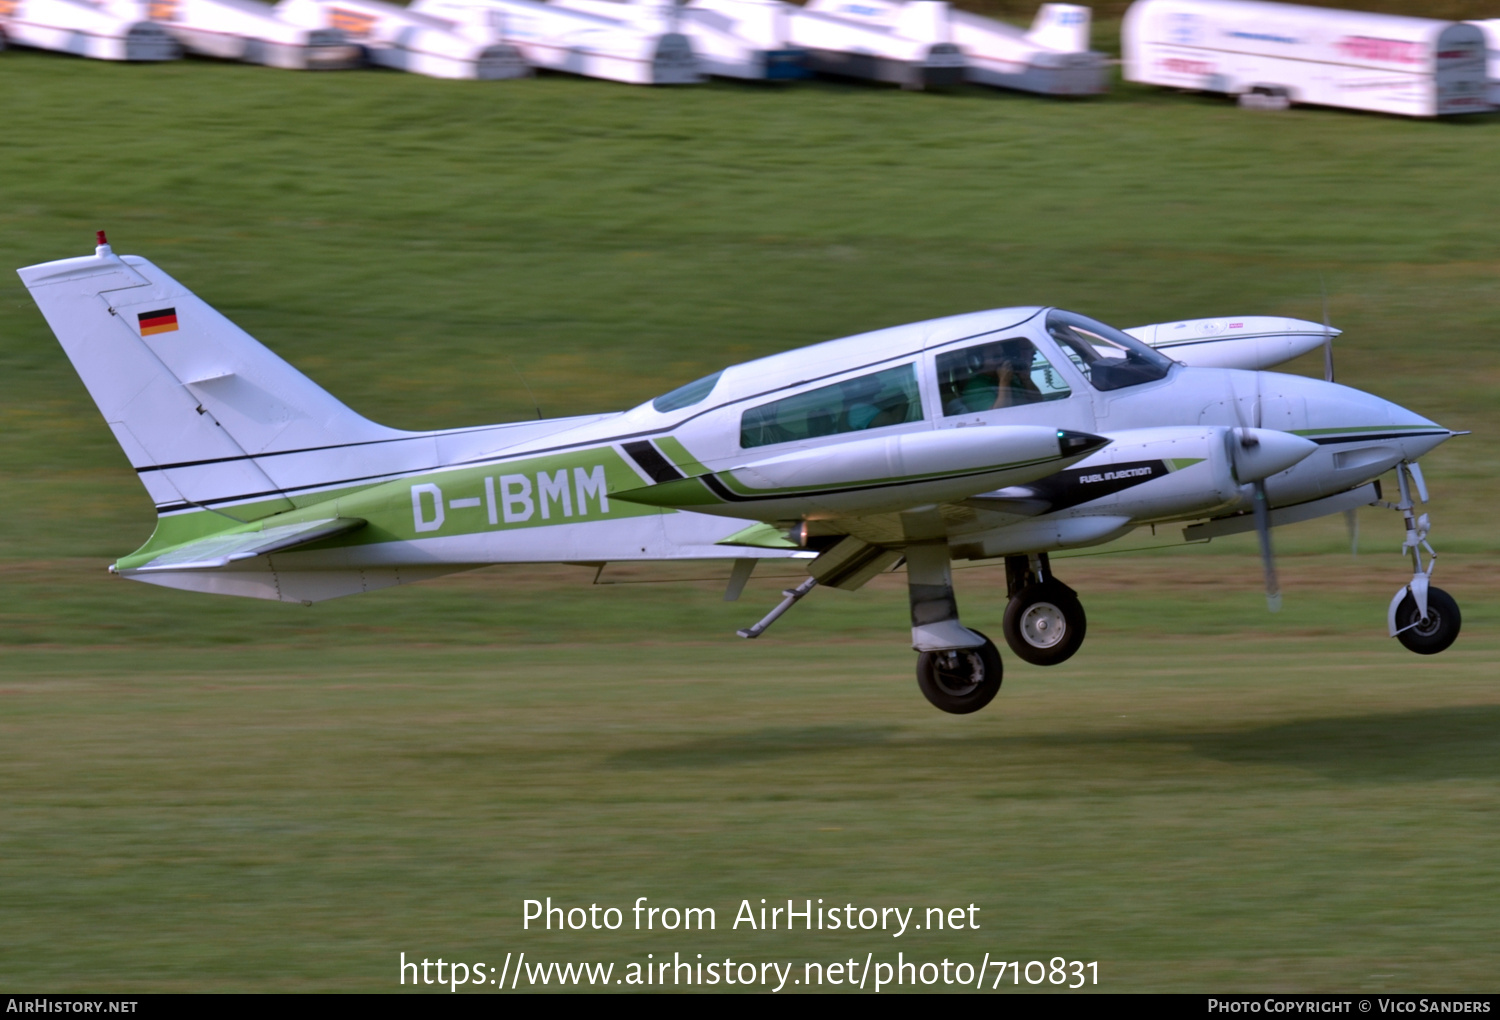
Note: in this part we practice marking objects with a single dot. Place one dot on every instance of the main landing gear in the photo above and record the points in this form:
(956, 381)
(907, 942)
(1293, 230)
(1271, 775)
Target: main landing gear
(958, 669)
(1423, 618)
(1044, 621)
(961, 680)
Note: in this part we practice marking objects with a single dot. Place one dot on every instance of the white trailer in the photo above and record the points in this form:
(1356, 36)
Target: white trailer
(1276, 54)
(72, 26)
(912, 51)
(404, 40)
(558, 39)
(728, 46)
(246, 30)
(1491, 30)
(1052, 57)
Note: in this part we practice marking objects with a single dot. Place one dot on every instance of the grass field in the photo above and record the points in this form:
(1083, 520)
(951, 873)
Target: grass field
(202, 793)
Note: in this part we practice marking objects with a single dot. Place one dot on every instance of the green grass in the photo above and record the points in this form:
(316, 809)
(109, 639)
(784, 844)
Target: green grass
(1252, 806)
(207, 793)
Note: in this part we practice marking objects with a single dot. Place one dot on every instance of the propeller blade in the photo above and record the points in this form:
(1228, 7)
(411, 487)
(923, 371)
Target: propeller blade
(1268, 559)
(1351, 520)
(1327, 335)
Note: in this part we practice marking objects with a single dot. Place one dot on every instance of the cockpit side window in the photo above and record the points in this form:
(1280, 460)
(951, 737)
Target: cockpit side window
(1109, 358)
(1005, 373)
(867, 402)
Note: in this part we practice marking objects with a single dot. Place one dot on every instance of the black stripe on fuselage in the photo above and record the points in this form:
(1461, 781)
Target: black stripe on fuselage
(1077, 486)
(657, 467)
(1330, 440)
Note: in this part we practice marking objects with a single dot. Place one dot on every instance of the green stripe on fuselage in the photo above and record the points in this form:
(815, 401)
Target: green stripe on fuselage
(1375, 430)
(565, 488)
(680, 457)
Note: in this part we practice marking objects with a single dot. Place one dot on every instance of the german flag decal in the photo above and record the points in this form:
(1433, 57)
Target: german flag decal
(161, 321)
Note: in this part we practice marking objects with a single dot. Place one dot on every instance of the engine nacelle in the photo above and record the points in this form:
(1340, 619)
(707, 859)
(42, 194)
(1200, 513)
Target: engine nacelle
(1153, 475)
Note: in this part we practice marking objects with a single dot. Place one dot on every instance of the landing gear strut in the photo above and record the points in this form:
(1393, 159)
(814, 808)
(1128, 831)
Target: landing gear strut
(1044, 621)
(1423, 618)
(958, 669)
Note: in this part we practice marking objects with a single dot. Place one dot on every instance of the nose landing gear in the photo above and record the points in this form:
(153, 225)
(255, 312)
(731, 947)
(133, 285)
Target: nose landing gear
(1424, 619)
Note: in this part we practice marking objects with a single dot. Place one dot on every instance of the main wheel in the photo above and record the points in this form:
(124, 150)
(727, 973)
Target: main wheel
(963, 680)
(1433, 634)
(1044, 623)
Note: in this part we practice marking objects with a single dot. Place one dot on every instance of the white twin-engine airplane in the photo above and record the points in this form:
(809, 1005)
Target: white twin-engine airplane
(1005, 434)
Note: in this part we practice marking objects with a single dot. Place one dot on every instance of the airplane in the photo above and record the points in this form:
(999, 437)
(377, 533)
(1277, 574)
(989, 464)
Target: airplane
(1001, 436)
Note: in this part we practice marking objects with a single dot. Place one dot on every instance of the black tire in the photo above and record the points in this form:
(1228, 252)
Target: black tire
(1437, 632)
(1045, 623)
(963, 680)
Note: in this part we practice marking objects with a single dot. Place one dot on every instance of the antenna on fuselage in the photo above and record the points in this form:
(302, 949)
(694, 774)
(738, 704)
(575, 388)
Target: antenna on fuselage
(528, 389)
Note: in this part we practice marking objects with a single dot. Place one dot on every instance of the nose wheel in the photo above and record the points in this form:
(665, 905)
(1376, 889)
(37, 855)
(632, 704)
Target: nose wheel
(960, 680)
(1433, 633)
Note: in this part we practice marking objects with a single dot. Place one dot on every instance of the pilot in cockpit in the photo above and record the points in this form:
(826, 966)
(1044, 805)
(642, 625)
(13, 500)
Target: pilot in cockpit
(998, 375)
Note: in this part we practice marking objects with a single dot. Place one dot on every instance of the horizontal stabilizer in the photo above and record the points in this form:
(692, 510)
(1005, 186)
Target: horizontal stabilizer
(218, 551)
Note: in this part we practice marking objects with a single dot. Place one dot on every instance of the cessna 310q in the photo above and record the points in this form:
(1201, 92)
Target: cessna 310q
(998, 435)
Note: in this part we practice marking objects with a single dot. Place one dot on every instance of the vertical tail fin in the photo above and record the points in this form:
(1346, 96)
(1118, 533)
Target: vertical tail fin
(194, 400)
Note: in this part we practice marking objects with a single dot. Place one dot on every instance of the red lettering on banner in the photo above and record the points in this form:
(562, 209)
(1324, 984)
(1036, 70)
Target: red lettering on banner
(1389, 51)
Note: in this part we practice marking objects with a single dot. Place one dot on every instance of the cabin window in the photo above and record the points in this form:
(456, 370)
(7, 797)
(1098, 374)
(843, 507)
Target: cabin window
(1006, 373)
(686, 396)
(867, 402)
(1109, 358)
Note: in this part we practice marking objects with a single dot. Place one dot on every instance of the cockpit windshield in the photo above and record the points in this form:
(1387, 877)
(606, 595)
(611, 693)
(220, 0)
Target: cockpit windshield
(1109, 358)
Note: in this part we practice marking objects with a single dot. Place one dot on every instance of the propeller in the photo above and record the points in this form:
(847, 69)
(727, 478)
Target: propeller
(1245, 447)
(1351, 520)
(1327, 334)
(1267, 557)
